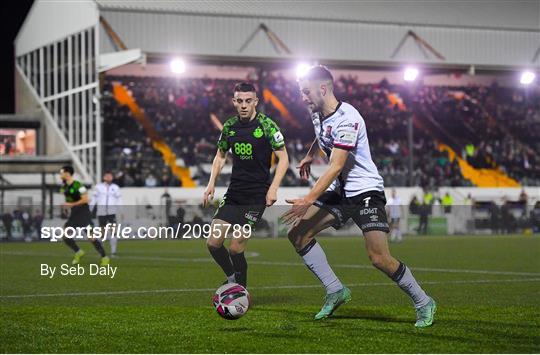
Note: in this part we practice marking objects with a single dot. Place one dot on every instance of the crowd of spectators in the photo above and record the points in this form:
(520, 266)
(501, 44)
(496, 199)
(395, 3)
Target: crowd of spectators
(179, 110)
(21, 224)
(495, 127)
(500, 216)
(516, 113)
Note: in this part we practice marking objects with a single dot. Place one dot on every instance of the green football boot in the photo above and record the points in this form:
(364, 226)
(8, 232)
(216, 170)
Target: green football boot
(77, 257)
(425, 315)
(333, 301)
(104, 261)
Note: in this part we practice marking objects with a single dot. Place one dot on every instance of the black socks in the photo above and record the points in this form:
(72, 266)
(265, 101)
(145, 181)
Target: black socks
(99, 247)
(221, 256)
(240, 268)
(71, 244)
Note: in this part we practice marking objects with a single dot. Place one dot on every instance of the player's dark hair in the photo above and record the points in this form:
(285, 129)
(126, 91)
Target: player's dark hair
(318, 72)
(245, 87)
(108, 172)
(68, 169)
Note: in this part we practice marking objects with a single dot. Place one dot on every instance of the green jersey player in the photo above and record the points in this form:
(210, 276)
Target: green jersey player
(76, 196)
(251, 137)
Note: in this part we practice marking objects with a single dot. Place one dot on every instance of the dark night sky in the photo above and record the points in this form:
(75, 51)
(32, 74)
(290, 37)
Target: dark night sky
(13, 14)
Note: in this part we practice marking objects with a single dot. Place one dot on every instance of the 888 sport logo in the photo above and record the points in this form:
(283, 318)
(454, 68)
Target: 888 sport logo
(244, 150)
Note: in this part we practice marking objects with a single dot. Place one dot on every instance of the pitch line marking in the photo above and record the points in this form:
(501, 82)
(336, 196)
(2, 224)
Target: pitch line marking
(180, 290)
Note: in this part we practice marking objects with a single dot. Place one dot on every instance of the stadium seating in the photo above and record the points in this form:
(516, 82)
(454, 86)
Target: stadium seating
(492, 119)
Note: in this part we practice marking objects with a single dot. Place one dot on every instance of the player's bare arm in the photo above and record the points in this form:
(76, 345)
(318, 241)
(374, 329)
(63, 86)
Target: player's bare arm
(305, 164)
(217, 166)
(301, 205)
(281, 169)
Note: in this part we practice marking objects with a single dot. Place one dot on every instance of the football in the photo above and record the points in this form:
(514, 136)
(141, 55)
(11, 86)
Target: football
(231, 301)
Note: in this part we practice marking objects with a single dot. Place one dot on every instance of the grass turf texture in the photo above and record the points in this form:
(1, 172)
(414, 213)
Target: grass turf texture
(487, 289)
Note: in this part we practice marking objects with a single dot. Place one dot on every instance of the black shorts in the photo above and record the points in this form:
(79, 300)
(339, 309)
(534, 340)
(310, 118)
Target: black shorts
(103, 220)
(79, 219)
(241, 210)
(367, 210)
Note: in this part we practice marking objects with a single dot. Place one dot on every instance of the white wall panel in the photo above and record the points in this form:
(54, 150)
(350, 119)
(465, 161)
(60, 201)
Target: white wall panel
(49, 21)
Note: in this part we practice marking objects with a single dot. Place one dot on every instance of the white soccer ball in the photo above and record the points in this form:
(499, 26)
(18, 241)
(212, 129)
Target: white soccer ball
(231, 301)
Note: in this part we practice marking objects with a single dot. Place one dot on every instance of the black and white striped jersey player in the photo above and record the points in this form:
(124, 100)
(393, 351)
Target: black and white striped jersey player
(350, 188)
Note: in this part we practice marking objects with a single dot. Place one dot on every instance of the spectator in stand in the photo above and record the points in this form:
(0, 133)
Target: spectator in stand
(38, 222)
(535, 217)
(508, 220)
(494, 215)
(414, 206)
(523, 198)
(447, 201)
(424, 211)
(150, 181)
(7, 220)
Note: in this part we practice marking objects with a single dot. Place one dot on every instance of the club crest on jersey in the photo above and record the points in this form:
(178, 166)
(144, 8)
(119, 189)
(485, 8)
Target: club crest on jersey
(258, 132)
(328, 132)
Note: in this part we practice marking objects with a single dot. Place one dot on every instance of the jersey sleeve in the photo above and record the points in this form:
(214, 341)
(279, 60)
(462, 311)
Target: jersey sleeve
(347, 131)
(273, 133)
(223, 141)
(81, 188)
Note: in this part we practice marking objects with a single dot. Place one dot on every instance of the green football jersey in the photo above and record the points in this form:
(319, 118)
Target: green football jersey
(73, 193)
(251, 144)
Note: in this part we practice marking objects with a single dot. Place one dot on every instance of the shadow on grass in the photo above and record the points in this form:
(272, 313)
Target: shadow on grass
(369, 314)
(264, 300)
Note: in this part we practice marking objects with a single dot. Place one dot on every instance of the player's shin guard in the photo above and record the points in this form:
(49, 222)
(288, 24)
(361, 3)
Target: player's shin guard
(240, 268)
(98, 246)
(315, 259)
(221, 256)
(406, 281)
(71, 244)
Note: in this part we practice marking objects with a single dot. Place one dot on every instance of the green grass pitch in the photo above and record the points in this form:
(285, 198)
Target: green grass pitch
(487, 289)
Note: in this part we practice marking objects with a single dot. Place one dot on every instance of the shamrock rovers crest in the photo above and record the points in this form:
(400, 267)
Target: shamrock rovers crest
(258, 132)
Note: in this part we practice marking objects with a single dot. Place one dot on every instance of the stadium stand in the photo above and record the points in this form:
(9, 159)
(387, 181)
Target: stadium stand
(459, 113)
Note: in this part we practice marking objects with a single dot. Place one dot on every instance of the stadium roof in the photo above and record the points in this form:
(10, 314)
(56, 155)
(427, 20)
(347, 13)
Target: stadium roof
(519, 15)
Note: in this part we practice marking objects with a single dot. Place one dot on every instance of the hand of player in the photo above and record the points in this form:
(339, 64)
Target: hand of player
(297, 211)
(305, 167)
(208, 195)
(271, 197)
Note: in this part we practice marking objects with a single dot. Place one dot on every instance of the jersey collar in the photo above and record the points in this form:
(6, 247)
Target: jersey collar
(250, 122)
(331, 114)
